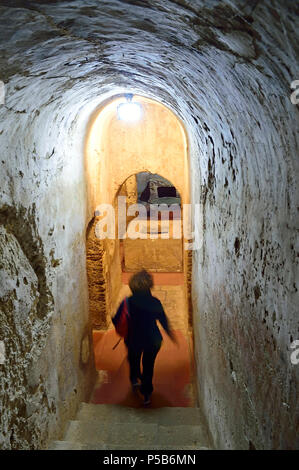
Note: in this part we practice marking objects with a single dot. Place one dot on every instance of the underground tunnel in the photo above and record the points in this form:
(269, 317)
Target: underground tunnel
(224, 73)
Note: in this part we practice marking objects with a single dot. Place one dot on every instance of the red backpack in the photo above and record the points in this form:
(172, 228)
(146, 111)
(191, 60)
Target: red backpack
(121, 325)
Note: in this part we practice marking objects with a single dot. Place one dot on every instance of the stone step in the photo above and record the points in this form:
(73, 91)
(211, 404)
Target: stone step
(168, 416)
(138, 434)
(115, 427)
(70, 445)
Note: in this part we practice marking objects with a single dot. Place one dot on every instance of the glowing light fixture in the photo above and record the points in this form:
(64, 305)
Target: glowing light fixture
(129, 111)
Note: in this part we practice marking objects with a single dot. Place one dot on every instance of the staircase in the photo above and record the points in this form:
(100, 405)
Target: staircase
(115, 427)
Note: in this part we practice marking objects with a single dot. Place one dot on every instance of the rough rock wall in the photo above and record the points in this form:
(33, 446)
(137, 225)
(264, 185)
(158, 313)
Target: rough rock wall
(44, 324)
(225, 68)
(103, 276)
(246, 292)
(96, 265)
(20, 322)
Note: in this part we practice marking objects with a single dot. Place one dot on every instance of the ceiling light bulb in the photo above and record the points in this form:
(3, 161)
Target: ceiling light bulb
(129, 112)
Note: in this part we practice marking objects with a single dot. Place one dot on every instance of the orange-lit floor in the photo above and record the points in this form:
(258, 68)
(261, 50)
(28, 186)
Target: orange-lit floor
(172, 376)
(173, 373)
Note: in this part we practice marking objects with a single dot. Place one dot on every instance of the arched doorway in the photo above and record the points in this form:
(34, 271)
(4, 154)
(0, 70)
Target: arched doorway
(144, 163)
(153, 231)
(115, 151)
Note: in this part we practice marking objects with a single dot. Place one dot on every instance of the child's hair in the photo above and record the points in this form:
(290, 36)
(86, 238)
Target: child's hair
(141, 282)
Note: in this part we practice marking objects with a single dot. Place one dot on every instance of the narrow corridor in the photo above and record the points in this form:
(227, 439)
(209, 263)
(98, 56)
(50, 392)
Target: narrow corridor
(214, 85)
(106, 422)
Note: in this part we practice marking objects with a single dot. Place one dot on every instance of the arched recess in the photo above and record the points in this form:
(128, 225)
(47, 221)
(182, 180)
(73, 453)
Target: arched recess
(153, 225)
(115, 151)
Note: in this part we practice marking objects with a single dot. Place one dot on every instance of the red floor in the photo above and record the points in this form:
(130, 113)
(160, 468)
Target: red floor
(172, 374)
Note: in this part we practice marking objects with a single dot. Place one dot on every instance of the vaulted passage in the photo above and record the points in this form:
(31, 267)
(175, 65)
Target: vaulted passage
(216, 81)
(142, 228)
(120, 157)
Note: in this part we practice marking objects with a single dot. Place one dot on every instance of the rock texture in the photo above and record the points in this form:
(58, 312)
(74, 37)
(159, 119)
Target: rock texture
(96, 266)
(225, 68)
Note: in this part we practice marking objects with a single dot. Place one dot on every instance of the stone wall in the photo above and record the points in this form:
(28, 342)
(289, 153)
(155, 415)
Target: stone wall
(153, 255)
(96, 266)
(36, 398)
